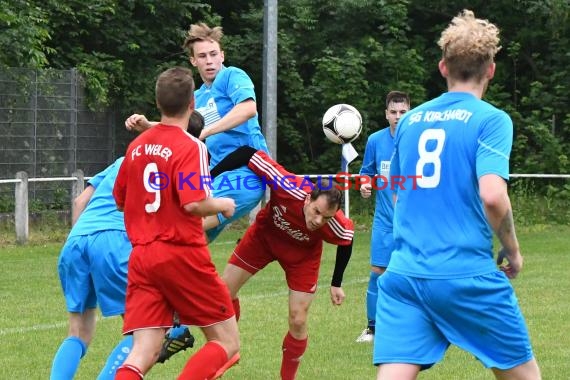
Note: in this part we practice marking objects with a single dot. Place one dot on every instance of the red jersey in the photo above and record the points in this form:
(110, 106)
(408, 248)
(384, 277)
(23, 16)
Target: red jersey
(164, 169)
(282, 220)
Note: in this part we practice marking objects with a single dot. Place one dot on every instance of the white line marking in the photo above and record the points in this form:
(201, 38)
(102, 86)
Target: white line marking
(224, 242)
(27, 329)
(59, 325)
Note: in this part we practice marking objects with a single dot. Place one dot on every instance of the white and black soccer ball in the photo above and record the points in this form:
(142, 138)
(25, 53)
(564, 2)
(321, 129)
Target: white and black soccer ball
(342, 123)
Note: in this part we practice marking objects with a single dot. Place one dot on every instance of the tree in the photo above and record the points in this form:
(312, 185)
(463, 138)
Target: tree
(329, 51)
(24, 35)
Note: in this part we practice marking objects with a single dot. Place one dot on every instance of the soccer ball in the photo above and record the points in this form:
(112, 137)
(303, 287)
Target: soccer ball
(342, 123)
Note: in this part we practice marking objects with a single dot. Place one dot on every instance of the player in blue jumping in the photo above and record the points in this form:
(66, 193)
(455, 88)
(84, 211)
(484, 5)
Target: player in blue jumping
(442, 285)
(376, 166)
(227, 101)
(93, 270)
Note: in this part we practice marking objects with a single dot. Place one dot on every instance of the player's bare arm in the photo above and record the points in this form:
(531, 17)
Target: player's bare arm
(238, 115)
(493, 192)
(138, 123)
(211, 206)
(80, 202)
(210, 222)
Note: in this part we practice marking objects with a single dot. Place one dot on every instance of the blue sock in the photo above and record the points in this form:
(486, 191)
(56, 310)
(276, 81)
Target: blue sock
(67, 358)
(175, 332)
(371, 298)
(116, 358)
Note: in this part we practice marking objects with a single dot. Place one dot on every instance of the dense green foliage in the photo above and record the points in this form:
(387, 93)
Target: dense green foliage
(330, 51)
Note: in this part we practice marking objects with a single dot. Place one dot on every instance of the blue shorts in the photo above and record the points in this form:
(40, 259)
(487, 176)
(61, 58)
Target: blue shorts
(93, 270)
(417, 319)
(247, 190)
(381, 247)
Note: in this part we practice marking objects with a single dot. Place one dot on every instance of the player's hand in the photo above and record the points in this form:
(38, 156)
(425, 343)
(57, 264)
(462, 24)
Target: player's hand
(138, 123)
(513, 265)
(366, 190)
(337, 295)
(228, 206)
(203, 135)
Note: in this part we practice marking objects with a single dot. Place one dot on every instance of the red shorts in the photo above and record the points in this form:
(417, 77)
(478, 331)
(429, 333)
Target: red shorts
(301, 264)
(164, 278)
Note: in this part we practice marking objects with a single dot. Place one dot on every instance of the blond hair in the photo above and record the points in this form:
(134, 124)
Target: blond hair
(469, 46)
(202, 32)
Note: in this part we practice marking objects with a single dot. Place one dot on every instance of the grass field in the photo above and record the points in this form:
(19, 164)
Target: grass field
(33, 317)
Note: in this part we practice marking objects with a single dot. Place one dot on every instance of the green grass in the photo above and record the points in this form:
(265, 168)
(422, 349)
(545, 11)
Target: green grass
(33, 317)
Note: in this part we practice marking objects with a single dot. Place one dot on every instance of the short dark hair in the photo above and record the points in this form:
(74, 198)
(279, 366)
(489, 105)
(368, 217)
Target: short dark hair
(326, 187)
(397, 97)
(196, 124)
(174, 91)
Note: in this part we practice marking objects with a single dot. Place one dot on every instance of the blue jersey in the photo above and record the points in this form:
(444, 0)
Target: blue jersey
(376, 162)
(448, 143)
(101, 212)
(230, 87)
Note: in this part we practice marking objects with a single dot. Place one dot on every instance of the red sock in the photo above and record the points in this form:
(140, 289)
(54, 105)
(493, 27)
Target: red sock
(293, 350)
(234, 360)
(128, 372)
(205, 363)
(237, 310)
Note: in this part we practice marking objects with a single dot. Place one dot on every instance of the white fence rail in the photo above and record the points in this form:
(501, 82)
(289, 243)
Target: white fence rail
(21, 211)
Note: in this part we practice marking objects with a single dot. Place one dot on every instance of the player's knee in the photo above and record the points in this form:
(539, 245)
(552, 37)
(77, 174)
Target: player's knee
(527, 371)
(297, 321)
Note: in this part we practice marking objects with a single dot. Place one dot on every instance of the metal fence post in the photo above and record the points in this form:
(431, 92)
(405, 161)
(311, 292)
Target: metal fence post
(73, 119)
(21, 210)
